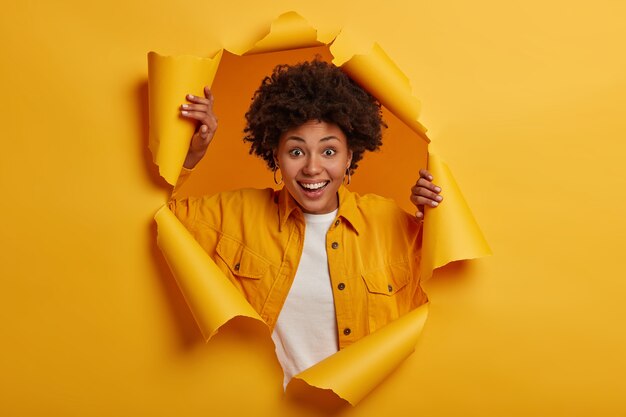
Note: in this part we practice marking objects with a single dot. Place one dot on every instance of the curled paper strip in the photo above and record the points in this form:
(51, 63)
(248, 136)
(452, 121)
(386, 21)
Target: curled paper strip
(356, 370)
(450, 231)
(288, 31)
(212, 299)
(170, 79)
(384, 80)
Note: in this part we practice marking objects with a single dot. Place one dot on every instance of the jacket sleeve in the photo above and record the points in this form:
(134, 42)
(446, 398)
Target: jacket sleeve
(184, 208)
(416, 230)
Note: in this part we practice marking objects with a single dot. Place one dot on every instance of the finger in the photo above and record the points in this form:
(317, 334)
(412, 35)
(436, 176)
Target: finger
(425, 174)
(208, 94)
(201, 139)
(198, 99)
(419, 214)
(419, 200)
(195, 107)
(196, 115)
(422, 183)
(204, 131)
(423, 192)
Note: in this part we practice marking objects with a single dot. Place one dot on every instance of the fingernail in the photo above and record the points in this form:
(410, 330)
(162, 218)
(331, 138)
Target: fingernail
(184, 113)
(184, 106)
(430, 177)
(439, 198)
(434, 204)
(190, 95)
(437, 189)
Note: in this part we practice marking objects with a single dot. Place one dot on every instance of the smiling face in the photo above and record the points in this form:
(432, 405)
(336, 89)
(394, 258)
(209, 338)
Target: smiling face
(313, 159)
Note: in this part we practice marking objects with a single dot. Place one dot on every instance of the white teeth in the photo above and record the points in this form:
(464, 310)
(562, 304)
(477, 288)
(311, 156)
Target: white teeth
(315, 186)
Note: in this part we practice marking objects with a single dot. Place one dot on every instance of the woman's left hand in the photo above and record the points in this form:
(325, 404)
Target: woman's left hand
(425, 193)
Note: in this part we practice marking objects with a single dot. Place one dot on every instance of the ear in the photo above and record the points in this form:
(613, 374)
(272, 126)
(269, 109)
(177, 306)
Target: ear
(274, 155)
(349, 159)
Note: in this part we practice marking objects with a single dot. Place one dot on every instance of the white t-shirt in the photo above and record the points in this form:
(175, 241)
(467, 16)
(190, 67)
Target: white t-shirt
(306, 328)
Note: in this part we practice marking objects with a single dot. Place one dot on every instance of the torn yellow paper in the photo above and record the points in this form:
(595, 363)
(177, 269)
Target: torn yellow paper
(288, 31)
(379, 75)
(212, 299)
(450, 230)
(356, 370)
(170, 79)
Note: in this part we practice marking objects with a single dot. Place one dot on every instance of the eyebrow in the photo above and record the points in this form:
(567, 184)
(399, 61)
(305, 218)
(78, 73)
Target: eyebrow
(299, 139)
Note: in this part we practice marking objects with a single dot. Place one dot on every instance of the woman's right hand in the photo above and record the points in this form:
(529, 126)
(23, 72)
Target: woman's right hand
(199, 109)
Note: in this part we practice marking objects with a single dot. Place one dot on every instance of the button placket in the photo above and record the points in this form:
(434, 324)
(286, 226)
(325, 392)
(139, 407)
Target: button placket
(338, 273)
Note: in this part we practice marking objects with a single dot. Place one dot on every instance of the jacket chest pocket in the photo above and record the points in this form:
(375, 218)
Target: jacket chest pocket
(387, 293)
(245, 268)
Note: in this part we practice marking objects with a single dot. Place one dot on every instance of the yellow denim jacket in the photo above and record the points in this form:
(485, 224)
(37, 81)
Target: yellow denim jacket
(255, 237)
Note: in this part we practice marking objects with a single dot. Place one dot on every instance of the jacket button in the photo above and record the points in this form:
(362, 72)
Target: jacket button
(389, 287)
(336, 222)
(237, 267)
(347, 331)
(334, 245)
(341, 286)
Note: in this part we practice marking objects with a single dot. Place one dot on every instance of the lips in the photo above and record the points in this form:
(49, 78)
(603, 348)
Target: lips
(313, 186)
(315, 196)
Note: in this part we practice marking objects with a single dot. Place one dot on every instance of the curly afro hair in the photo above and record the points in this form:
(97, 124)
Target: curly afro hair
(316, 90)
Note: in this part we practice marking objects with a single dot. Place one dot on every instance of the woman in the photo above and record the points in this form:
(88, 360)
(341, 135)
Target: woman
(323, 266)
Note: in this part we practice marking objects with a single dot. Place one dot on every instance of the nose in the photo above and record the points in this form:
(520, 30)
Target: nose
(313, 166)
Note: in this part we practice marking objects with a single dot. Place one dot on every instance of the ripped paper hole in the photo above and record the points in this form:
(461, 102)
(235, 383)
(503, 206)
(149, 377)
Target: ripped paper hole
(450, 231)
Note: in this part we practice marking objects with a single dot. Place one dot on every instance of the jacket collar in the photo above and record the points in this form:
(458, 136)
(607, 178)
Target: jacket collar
(348, 208)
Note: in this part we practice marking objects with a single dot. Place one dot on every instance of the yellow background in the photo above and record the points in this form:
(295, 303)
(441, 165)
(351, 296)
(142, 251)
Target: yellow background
(524, 101)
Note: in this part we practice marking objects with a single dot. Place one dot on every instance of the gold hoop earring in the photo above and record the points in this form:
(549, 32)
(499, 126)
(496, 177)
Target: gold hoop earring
(348, 175)
(281, 177)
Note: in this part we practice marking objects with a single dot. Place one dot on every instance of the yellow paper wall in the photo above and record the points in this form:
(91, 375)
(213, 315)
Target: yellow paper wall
(524, 102)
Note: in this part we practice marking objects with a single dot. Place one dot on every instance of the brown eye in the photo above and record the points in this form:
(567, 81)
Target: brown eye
(329, 152)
